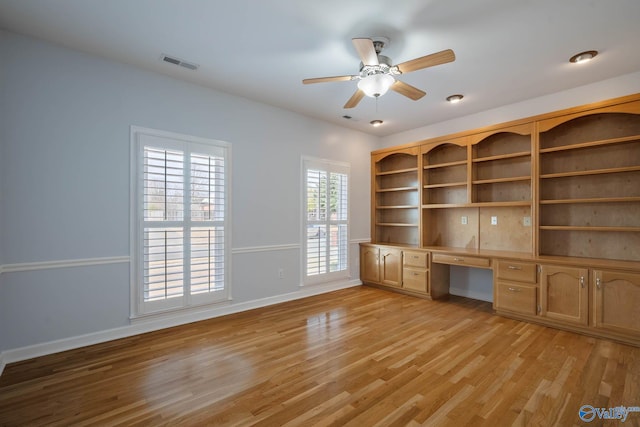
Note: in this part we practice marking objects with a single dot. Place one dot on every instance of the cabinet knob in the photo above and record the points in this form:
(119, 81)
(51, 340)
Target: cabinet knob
(598, 283)
(582, 282)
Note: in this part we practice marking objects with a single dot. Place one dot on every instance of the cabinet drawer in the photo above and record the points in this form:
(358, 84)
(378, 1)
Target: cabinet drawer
(518, 271)
(415, 279)
(516, 297)
(415, 259)
(461, 260)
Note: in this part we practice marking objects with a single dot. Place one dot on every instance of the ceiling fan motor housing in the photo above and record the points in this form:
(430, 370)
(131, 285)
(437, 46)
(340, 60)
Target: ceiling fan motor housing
(385, 66)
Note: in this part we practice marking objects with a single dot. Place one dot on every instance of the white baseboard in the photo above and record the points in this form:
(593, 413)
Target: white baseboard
(154, 323)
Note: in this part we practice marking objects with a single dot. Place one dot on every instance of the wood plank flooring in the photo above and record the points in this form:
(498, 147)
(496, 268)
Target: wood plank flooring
(356, 357)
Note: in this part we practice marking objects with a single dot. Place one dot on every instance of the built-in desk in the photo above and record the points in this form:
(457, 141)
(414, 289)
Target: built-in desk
(590, 296)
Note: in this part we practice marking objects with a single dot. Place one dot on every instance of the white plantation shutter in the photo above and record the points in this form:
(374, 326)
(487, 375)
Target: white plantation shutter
(181, 221)
(163, 263)
(325, 220)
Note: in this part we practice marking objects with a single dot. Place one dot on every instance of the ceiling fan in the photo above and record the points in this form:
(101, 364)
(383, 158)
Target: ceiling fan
(377, 71)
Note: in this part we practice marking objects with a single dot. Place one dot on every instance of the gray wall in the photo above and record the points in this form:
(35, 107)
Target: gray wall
(64, 183)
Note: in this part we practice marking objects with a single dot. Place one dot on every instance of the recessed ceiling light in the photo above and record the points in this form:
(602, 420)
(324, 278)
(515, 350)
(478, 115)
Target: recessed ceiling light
(454, 99)
(581, 57)
(376, 123)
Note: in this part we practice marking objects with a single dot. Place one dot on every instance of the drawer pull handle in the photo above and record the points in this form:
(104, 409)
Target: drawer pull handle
(458, 259)
(582, 281)
(415, 257)
(514, 267)
(598, 283)
(415, 274)
(514, 290)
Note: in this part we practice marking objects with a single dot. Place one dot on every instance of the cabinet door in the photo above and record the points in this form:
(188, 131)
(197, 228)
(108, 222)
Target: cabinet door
(369, 266)
(564, 294)
(617, 301)
(390, 266)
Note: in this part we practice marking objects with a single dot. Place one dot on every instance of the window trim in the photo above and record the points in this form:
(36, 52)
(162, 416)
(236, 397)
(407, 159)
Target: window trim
(309, 162)
(138, 308)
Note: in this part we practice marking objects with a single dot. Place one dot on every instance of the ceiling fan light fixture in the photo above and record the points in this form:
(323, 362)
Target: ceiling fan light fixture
(582, 57)
(376, 85)
(454, 99)
(376, 123)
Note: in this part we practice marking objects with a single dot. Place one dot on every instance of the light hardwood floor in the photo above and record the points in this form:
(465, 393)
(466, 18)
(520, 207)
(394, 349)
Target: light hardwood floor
(360, 357)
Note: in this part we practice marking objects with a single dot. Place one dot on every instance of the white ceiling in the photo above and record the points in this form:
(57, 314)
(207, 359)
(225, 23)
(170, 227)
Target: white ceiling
(506, 50)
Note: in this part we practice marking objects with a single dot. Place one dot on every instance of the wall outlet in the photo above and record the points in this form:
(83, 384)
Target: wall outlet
(494, 220)
(526, 221)
(464, 220)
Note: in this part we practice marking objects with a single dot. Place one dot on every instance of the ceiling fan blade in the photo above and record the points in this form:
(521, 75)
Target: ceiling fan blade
(355, 99)
(327, 79)
(427, 61)
(407, 90)
(366, 51)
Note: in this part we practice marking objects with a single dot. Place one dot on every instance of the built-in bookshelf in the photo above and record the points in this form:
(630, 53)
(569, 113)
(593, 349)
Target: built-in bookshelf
(396, 202)
(590, 186)
(469, 180)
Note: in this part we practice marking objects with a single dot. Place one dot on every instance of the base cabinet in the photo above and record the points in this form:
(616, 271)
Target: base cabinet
(415, 271)
(381, 265)
(564, 294)
(403, 269)
(616, 303)
(515, 287)
(594, 301)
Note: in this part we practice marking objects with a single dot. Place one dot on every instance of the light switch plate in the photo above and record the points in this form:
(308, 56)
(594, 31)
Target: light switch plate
(464, 220)
(494, 220)
(526, 221)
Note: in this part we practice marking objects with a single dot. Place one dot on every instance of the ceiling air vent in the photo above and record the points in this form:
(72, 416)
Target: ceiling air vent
(180, 62)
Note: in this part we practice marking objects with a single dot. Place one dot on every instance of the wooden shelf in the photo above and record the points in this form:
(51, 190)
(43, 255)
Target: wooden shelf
(498, 180)
(591, 200)
(589, 228)
(395, 172)
(398, 207)
(447, 164)
(446, 205)
(395, 224)
(387, 190)
(591, 172)
(447, 184)
(515, 203)
(502, 157)
(591, 144)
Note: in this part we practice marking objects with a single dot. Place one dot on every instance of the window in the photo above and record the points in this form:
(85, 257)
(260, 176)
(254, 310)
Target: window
(180, 215)
(325, 220)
